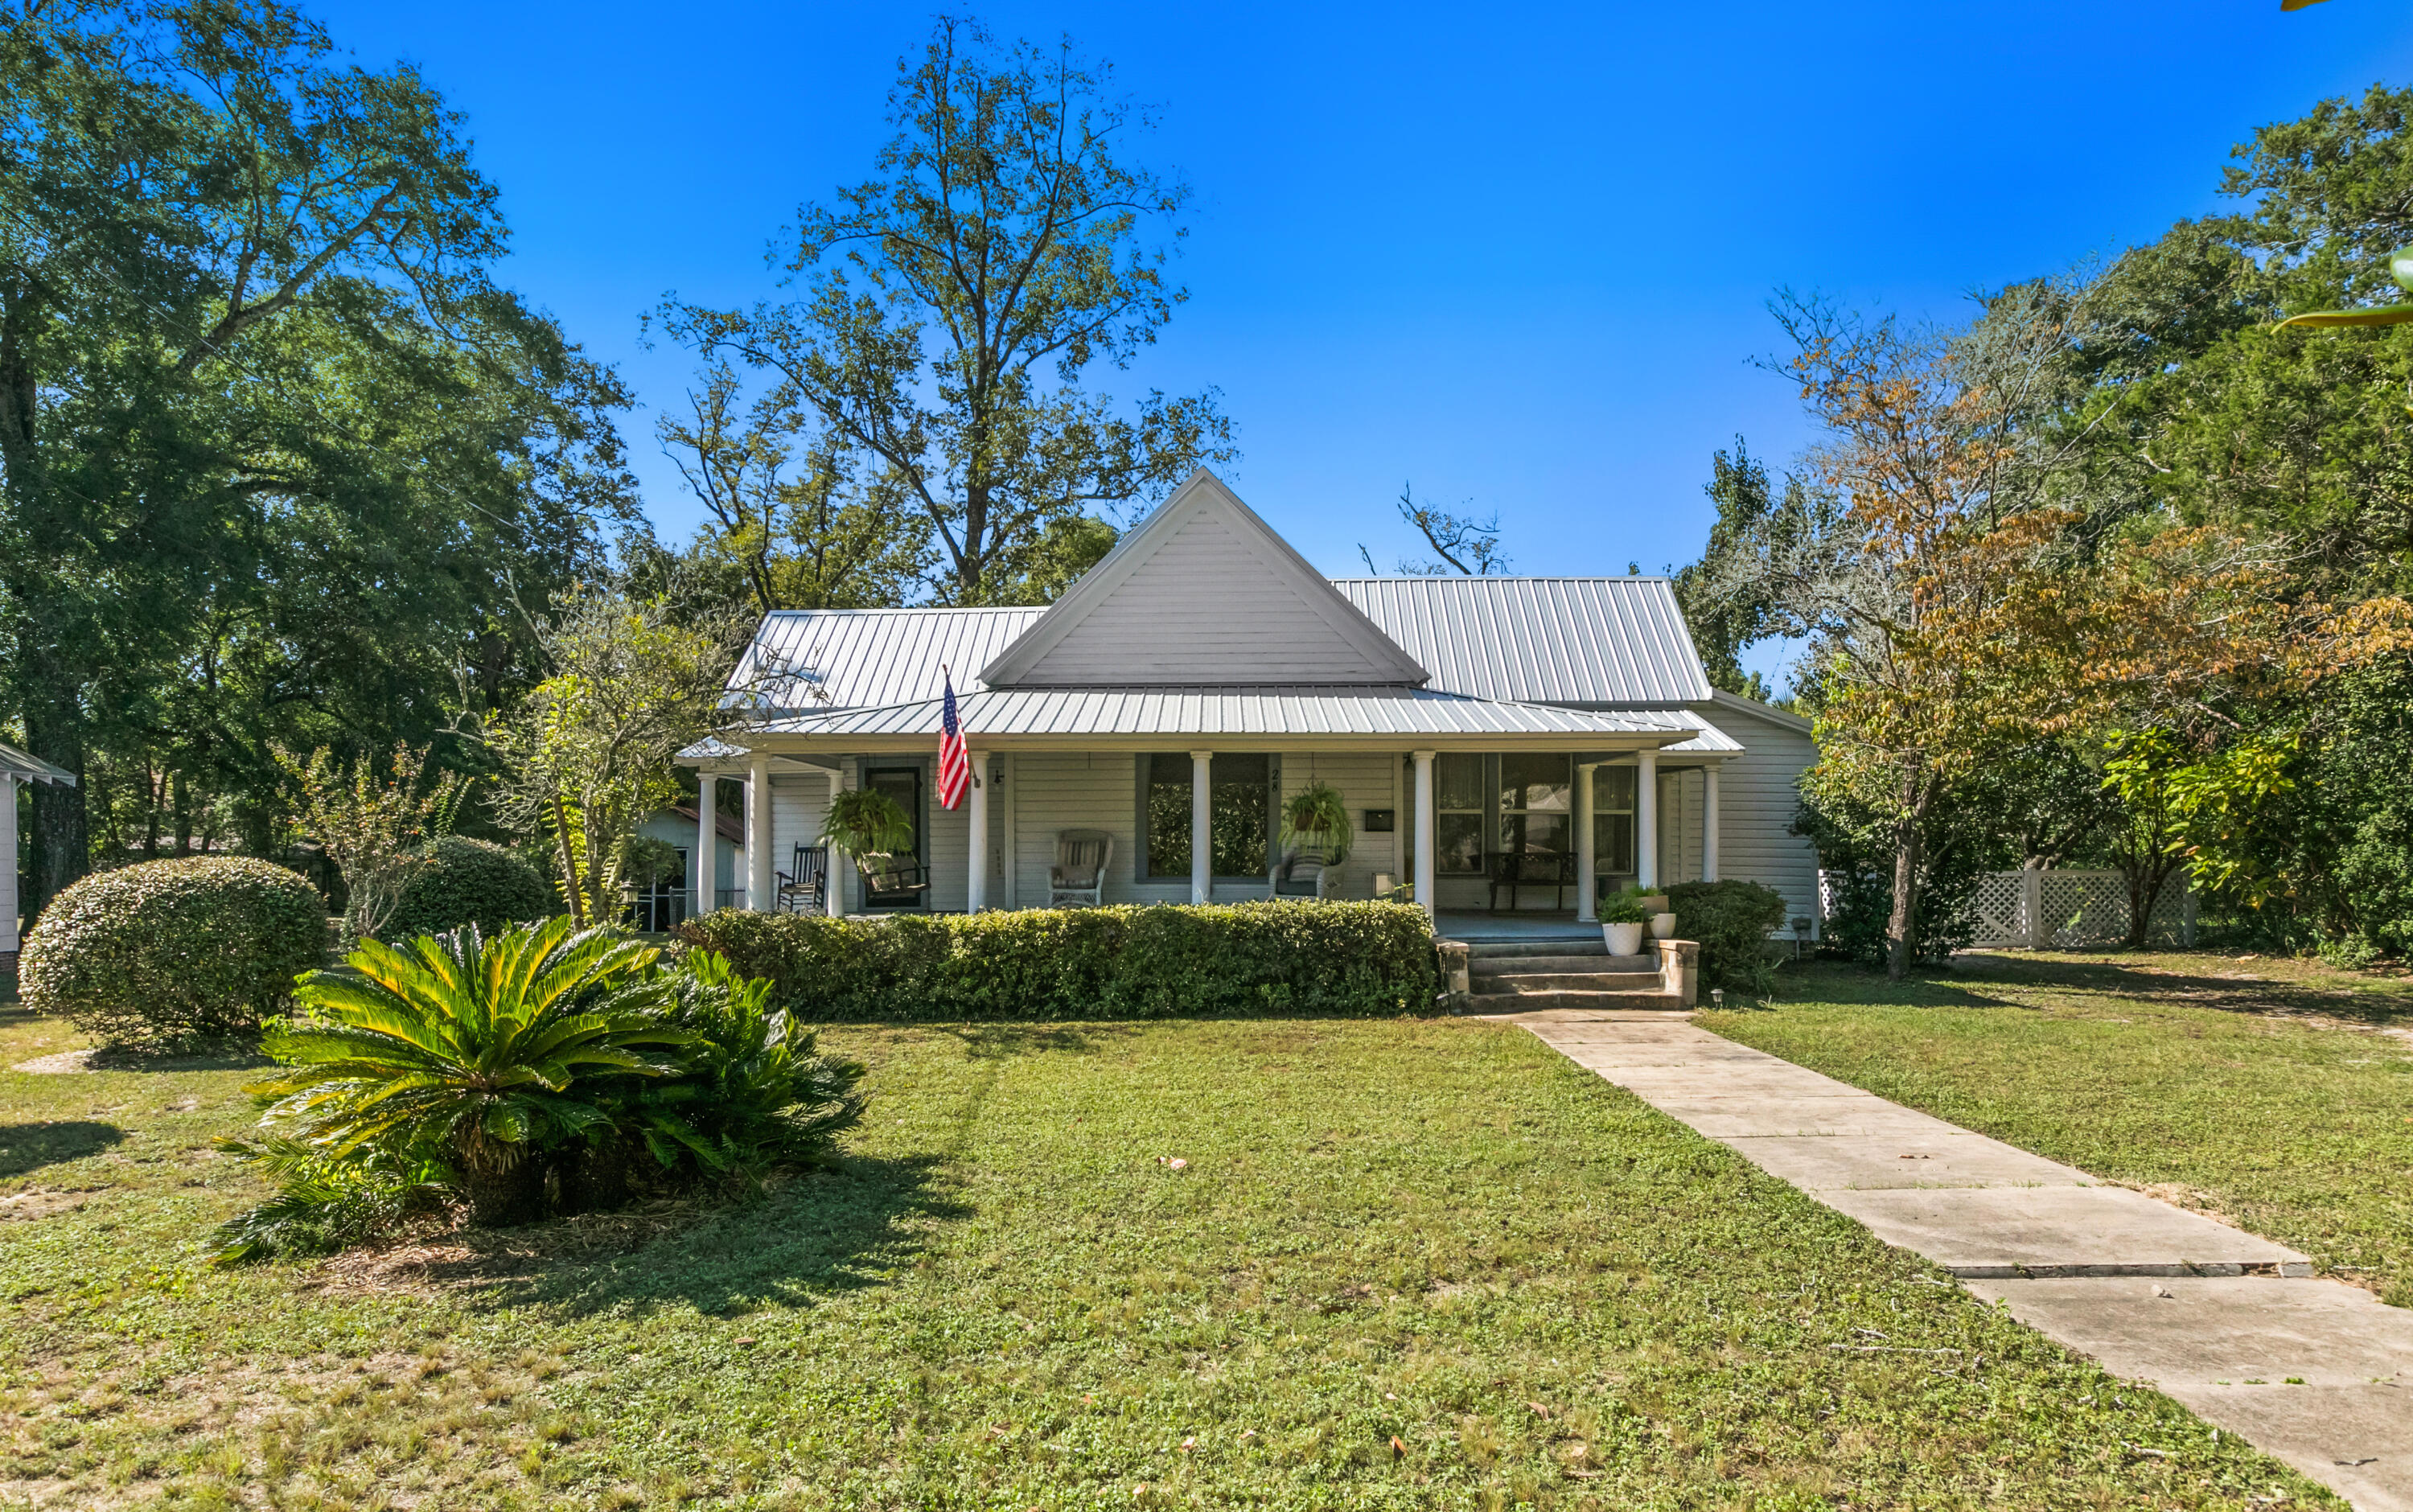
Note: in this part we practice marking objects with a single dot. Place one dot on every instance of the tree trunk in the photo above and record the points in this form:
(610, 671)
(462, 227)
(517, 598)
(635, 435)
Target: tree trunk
(504, 1198)
(595, 1178)
(1902, 926)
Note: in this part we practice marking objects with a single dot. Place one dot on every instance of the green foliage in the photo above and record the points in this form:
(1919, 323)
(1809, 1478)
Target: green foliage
(862, 822)
(470, 1051)
(462, 881)
(1731, 920)
(472, 1067)
(1624, 906)
(325, 1201)
(283, 460)
(171, 952)
(953, 302)
(1317, 818)
(750, 1093)
(1956, 845)
(1120, 962)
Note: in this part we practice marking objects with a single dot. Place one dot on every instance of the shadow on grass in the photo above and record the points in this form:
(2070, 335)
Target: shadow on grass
(853, 1225)
(2159, 976)
(29, 1147)
(214, 1054)
(2195, 980)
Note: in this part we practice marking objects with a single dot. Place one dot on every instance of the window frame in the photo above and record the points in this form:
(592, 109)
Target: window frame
(1144, 872)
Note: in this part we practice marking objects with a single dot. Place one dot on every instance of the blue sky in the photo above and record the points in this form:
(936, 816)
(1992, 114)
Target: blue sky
(1517, 255)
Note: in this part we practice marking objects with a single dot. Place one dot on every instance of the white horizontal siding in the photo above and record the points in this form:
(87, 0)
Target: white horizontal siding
(1055, 791)
(798, 802)
(1364, 781)
(1205, 607)
(1758, 794)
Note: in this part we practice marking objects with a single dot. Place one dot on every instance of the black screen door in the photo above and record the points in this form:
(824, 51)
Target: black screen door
(903, 786)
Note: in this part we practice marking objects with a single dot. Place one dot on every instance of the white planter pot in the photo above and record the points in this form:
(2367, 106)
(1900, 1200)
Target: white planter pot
(1663, 926)
(1623, 939)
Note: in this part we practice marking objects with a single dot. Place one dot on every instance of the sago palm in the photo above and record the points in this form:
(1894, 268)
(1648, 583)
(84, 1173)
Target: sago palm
(470, 1050)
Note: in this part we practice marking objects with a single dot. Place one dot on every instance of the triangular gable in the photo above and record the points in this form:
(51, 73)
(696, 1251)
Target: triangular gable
(1203, 594)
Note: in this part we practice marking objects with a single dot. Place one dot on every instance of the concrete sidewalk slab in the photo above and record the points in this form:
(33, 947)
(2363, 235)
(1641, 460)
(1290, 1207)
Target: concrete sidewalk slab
(2216, 1330)
(2071, 1256)
(1821, 1164)
(2355, 1440)
(2007, 1231)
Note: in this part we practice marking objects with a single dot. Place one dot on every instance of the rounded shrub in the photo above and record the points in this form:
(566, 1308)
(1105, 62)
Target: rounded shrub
(174, 951)
(469, 881)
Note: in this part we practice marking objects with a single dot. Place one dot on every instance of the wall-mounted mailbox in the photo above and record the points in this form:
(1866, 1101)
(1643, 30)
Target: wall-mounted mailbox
(1379, 822)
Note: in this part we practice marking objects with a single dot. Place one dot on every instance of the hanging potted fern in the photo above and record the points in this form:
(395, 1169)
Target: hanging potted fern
(866, 825)
(1314, 819)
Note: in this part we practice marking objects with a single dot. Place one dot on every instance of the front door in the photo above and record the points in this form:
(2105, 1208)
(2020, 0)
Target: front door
(903, 786)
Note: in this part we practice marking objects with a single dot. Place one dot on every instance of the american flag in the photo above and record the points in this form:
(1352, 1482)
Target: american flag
(954, 762)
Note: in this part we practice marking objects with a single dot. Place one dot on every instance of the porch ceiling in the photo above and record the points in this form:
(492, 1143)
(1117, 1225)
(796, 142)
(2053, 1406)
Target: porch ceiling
(1322, 719)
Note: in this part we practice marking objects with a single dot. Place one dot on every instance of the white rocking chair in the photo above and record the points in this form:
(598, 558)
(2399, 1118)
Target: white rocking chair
(1300, 875)
(1079, 874)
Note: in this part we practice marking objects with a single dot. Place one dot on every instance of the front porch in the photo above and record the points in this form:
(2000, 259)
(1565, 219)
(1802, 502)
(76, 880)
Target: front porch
(1202, 825)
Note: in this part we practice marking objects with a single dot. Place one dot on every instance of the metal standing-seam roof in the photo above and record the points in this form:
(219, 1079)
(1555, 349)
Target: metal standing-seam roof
(1192, 711)
(1599, 641)
(807, 659)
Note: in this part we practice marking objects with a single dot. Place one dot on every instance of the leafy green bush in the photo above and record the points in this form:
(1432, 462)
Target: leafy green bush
(471, 1051)
(172, 952)
(504, 1073)
(464, 880)
(1731, 920)
(1122, 962)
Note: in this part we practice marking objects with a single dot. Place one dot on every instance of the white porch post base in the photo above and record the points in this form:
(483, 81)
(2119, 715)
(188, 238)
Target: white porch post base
(976, 815)
(1587, 859)
(1201, 827)
(1709, 824)
(1646, 820)
(1427, 833)
(759, 895)
(707, 844)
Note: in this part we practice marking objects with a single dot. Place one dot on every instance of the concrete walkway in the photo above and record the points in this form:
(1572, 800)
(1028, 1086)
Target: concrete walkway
(2316, 1374)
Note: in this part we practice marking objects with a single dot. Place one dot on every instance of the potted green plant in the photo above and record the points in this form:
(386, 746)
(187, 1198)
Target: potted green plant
(1315, 818)
(866, 826)
(1621, 918)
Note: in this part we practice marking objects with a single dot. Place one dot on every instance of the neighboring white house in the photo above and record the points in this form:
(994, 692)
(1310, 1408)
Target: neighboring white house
(1516, 743)
(16, 769)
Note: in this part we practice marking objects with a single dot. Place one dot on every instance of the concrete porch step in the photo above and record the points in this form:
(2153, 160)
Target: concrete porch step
(1527, 1002)
(1613, 965)
(1510, 949)
(1564, 981)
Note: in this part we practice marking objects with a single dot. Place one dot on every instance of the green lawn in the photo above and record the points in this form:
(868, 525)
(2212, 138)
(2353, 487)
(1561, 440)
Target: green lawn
(1406, 1265)
(2277, 1094)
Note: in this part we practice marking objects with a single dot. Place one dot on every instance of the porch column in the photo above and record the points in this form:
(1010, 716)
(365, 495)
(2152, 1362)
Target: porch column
(707, 843)
(8, 901)
(1201, 827)
(1646, 820)
(1709, 822)
(841, 869)
(759, 895)
(1428, 836)
(976, 815)
(1586, 861)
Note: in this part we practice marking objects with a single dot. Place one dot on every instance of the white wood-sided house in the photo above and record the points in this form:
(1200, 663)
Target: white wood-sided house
(1557, 733)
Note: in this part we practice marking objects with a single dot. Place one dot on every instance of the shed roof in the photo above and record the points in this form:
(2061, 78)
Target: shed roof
(27, 767)
(1604, 642)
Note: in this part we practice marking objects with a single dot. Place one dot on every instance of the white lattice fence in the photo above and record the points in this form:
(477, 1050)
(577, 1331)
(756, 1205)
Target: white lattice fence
(2062, 910)
(2049, 909)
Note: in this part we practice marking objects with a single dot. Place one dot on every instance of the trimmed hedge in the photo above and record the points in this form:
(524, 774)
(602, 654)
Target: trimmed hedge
(1731, 920)
(469, 881)
(172, 952)
(1157, 961)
